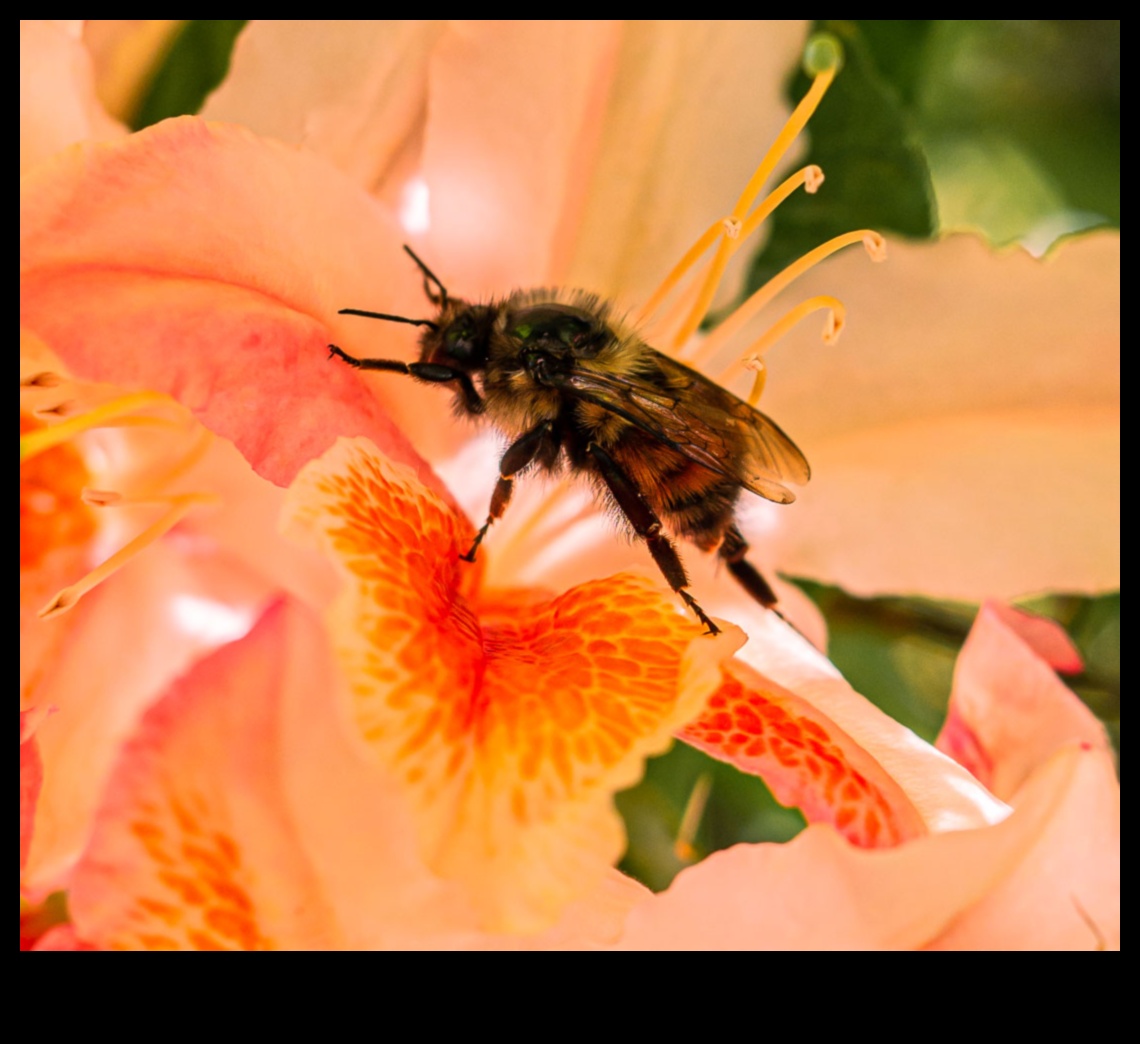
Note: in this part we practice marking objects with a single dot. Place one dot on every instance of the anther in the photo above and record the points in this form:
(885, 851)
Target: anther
(46, 379)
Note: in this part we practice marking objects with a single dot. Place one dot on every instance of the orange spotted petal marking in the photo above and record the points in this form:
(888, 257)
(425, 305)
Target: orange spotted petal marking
(510, 721)
(806, 759)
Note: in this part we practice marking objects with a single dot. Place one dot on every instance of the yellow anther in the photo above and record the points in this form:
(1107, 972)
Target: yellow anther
(832, 327)
(101, 497)
(712, 344)
(38, 441)
(810, 175)
(46, 379)
(759, 381)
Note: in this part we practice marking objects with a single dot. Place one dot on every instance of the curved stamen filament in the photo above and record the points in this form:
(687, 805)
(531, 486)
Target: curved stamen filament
(784, 139)
(873, 242)
(178, 507)
(832, 328)
(98, 416)
(691, 818)
(811, 177)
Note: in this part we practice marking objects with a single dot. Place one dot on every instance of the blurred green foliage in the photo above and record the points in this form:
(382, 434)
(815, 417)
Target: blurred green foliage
(198, 61)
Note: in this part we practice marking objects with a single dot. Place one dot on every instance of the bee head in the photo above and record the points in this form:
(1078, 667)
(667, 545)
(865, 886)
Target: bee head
(461, 336)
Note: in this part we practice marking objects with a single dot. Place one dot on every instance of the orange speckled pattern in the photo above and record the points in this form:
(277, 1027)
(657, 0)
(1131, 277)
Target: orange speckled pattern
(194, 848)
(805, 758)
(511, 734)
(52, 514)
(196, 900)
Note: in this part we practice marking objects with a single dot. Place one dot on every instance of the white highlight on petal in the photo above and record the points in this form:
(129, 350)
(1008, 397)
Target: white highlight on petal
(415, 207)
(210, 621)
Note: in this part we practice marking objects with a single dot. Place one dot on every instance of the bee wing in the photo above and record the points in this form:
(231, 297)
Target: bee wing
(703, 421)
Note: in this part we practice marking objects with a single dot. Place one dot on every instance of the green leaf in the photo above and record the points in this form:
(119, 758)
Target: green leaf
(876, 174)
(198, 61)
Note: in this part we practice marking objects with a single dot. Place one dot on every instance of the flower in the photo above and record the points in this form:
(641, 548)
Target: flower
(1047, 876)
(251, 250)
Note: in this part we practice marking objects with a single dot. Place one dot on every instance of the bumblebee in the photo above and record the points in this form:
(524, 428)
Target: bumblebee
(571, 385)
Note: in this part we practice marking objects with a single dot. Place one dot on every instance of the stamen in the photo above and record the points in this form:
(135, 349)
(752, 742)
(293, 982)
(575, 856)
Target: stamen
(754, 362)
(179, 506)
(822, 59)
(873, 242)
(99, 416)
(811, 177)
(691, 819)
(832, 328)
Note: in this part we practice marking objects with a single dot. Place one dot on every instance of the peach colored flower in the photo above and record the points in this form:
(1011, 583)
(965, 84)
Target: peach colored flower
(234, 254)
(1047, 876)
(244, 814)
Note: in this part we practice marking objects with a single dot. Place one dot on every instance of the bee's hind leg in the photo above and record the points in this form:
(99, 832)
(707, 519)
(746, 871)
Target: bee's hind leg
(647, 525)
(733, 549)
(518, 455)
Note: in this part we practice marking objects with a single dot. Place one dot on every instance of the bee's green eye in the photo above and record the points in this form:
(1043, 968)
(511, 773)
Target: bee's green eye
(522, 331)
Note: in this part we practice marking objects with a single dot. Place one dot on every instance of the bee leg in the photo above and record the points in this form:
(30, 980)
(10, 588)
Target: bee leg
(732, 550)
(647, 525)
(519, 454)
(432, 372)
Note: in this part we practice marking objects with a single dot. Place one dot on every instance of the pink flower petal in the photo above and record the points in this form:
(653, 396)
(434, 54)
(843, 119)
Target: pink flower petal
(201, 261)
(100, 699)
(31, 780)
(1009, 712)
(194, 847)
(804, 757)
(818, 892)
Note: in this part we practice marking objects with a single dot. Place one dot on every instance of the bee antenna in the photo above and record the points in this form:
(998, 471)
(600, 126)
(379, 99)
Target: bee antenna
(390, 318)
(429, 277)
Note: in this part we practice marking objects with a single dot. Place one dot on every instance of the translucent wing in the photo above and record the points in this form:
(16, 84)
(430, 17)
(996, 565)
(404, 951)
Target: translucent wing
(698, 418)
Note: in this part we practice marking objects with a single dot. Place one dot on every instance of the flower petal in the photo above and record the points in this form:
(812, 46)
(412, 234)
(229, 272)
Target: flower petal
(508, 142)
(512, 732)
(199, 260)
(692, 108)
(973, 406)
(1009, 712)
(194, 848)
(352, 90)
(781, 672)
(819, 892)
(31, 780)
(57, 93)
(100, 695)
(804, 757)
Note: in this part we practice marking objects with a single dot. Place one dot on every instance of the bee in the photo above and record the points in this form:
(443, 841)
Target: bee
(571, 385)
